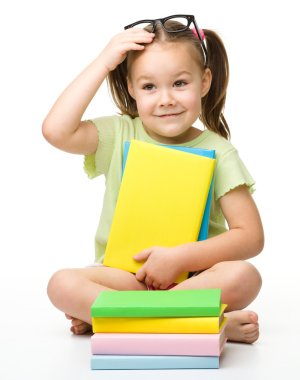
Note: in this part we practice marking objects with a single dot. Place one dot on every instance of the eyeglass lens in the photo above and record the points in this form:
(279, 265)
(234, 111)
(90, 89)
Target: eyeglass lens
(167, 24)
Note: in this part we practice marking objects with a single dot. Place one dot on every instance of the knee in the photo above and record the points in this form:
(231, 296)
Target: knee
(243, 285)
(60, 286)
(246, 276)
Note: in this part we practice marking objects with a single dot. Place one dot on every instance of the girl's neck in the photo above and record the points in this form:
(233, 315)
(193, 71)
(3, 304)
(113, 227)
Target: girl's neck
(188, 136)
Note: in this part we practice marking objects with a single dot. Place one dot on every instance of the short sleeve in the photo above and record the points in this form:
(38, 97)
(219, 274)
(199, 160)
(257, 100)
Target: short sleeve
(230, 173)
(98, 163)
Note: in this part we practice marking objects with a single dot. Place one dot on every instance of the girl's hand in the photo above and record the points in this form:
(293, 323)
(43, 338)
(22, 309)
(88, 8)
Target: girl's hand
(161, 268)
(118, 47)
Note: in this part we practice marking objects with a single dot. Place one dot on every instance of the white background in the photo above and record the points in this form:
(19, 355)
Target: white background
(49, 210)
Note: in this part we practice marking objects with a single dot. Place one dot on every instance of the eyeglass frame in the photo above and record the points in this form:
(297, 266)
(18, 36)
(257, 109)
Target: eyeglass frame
(190, 19)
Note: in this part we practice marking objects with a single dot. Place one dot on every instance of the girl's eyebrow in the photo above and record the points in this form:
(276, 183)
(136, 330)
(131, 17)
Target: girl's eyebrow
(149, 77)
(183, 72)
(144, 77)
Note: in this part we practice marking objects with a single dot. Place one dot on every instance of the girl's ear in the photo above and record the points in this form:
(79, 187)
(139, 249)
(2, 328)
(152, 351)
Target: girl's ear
(130, 88)
(206, 82)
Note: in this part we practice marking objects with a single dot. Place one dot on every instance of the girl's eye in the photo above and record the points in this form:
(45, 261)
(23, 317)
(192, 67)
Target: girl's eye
(148, 87)
(180, 83)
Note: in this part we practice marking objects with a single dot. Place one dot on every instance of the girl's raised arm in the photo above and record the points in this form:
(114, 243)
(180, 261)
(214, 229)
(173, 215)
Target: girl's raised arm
(63, 127)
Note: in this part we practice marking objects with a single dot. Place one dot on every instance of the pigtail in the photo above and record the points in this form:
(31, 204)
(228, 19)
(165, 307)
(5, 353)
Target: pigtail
(213, 103)
(117, 81)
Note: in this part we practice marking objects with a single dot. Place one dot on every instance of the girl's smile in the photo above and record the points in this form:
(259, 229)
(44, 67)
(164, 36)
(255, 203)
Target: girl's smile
(170, 115)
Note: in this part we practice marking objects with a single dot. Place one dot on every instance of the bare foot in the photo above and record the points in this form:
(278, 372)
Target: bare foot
(242, 326)
(78, 327)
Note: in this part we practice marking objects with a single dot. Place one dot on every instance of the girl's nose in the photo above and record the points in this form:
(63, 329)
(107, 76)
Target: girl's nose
(166, 98)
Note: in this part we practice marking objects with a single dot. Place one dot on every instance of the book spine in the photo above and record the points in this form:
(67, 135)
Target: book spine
(202, 325)
(157, 344)
(153, 362)
(153, 312)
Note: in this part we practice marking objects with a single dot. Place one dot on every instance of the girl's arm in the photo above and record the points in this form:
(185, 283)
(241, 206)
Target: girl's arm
(63, 127)
(243, 240)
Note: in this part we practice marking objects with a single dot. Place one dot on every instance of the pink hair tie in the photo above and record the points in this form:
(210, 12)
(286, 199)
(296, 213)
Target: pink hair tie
(200, 32)
(197, 33)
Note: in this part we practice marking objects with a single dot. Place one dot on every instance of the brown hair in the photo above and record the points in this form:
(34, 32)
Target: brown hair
(212, 103)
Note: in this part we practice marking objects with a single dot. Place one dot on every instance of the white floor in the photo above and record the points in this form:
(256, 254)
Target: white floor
(36, 343)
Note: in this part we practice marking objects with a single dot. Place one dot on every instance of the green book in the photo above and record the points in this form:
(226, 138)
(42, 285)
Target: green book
(158, 303)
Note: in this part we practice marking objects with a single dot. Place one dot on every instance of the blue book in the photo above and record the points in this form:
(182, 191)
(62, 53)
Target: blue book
(203, 233)
(153, 362)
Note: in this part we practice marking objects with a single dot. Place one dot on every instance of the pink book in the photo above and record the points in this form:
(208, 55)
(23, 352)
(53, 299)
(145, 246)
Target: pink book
(158, 344)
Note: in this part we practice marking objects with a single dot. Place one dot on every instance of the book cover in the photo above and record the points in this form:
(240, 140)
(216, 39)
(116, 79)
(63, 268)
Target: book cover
(161, 202)
(160, 325)
(159, 303)
(203, 233)
(158, 344)
(103, 362)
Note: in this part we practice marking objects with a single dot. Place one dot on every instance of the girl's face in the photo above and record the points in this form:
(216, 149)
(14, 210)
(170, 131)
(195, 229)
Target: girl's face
(167, 83)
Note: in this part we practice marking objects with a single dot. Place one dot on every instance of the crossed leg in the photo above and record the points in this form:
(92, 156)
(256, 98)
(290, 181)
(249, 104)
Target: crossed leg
(74, 290)
(240, 283)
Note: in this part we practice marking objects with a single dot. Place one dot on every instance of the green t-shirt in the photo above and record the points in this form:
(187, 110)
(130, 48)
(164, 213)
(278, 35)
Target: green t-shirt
(113, 131)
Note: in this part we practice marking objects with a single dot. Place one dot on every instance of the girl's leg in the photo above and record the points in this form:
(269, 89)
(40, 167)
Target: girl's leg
(74, 290)
(240, 283)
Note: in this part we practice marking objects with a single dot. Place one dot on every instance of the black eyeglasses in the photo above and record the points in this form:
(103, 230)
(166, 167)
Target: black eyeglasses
(184, 22)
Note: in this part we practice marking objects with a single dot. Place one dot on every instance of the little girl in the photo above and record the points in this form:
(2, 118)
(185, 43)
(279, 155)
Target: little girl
(164, 74)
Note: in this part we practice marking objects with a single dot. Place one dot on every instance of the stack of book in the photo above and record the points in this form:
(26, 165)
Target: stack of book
(158, 329)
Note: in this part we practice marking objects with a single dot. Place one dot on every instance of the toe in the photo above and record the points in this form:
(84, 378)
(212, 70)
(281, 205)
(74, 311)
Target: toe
(76, 322)
(81, 328)
(247, 316)
(249, 328)
(253, 317)
(252, 338)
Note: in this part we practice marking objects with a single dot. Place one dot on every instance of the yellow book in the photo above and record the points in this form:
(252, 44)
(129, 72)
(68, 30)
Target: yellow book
(185, 325)
(161, 202)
